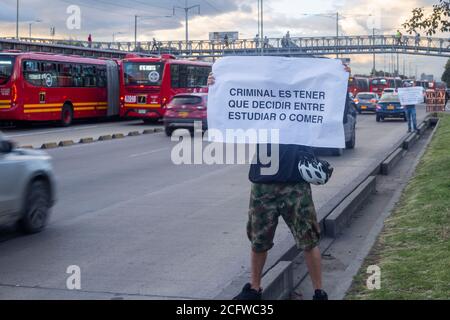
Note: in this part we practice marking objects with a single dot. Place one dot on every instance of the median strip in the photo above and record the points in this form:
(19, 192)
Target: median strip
(334, 216)
(49, 145)
(105, 138)
(66, 143)
(86, 140)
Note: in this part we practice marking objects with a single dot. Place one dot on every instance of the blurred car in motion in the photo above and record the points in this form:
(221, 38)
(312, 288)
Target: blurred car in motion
(27, 188)
(389, 107)
(350, 120)
(366, 101)
(184, 110)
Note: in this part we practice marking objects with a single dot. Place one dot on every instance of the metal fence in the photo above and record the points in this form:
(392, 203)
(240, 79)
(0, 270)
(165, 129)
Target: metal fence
(379, 44)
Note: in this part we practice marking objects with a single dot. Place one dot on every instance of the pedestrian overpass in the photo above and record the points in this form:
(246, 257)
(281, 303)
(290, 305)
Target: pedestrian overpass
(303, 46)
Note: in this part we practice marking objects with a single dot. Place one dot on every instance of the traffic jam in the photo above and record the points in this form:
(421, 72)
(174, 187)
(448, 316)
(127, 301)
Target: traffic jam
(36, 87)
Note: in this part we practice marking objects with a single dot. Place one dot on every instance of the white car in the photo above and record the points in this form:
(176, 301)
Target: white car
(389, 90)
(27, 188)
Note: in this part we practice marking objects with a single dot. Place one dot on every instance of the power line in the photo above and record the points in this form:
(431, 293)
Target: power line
(212, 6)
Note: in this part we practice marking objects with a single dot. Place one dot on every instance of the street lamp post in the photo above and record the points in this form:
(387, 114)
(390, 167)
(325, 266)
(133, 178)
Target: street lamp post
(186, 12)
(31, 24)
(17, 21)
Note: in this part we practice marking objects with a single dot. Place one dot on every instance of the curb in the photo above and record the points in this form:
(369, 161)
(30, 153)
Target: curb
(87, 140)
(49, 145)
(66, 143)
(391, 161)
(118, 136)
(105, 138)
(279, 282)
(339, 217)
(410, 141)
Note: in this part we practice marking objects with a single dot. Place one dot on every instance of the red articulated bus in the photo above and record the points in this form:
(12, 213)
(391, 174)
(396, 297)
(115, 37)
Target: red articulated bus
(357, 85)
(52, 87)
(377, 85)
(149, 83)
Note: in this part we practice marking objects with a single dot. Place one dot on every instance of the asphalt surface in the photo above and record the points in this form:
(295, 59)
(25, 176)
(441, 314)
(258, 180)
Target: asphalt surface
(140, 227)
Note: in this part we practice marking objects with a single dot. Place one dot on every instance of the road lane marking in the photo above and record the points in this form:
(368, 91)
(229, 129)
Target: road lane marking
(148, 153)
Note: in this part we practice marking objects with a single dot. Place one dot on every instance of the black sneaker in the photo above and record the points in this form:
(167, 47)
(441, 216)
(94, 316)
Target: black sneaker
(320, 295)
(249, 294)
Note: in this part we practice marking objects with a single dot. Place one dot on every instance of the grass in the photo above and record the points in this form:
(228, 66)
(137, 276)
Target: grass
(413, 251)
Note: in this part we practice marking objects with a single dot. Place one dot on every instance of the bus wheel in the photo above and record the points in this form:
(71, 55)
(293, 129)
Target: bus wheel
(66, 115)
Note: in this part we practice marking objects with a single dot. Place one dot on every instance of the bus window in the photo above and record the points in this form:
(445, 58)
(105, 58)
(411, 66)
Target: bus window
(89, 79)
(49, 74)
(6, 69)
(198, 76)
(149, 74)
(32, 72)
(101, 77)
(65, 75)
(184, 76)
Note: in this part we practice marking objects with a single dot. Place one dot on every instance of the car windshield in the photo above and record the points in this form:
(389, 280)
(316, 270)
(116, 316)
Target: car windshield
(186, 100)
(6, 68)
(390, 98)
(148, 74)
(365, 96)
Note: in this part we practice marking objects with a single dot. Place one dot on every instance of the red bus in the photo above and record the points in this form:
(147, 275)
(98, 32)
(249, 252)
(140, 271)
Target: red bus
(357, 85)
(51, 87)
(377, 85)
(149, 83)
(427, 85)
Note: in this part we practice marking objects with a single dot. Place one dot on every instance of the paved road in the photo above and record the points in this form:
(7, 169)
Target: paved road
(37, 135)
(140, 227)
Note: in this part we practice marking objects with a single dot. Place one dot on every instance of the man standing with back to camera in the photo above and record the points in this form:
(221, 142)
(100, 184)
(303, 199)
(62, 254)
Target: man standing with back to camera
(288, 195)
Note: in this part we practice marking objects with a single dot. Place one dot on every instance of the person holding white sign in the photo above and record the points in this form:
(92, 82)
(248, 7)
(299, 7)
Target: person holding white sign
(285, 193)
(410, 96)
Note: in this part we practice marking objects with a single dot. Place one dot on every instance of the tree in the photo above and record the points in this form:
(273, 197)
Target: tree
(438, 20)
(446, 75)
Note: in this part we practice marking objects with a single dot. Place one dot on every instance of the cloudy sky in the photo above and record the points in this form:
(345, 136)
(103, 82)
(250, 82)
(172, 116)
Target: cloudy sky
(102, 18)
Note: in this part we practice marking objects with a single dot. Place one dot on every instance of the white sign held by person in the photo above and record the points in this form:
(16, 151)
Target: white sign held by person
(411, 96)
(303, 98)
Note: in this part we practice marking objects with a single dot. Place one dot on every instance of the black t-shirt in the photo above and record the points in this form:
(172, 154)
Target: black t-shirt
(289, 158)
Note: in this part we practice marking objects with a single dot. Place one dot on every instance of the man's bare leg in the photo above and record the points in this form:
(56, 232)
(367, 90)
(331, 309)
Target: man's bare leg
(258, 262)
(314, 263)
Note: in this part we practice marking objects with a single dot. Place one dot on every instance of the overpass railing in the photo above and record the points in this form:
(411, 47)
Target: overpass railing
(431, 46)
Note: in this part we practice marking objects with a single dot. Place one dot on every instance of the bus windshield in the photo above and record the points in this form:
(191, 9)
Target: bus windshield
(6, 68)
(143, 73)
(379, 82)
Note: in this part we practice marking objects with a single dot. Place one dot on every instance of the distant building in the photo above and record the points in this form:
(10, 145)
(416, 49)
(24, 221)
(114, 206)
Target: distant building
(220, 36)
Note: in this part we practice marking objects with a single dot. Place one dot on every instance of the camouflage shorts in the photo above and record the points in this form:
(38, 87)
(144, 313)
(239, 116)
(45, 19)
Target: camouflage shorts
(291, 201)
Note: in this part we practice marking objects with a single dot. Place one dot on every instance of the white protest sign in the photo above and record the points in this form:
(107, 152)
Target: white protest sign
(303, 98)
(411, 96)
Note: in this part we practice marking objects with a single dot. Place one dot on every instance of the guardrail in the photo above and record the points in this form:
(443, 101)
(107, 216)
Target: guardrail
(378, 44)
